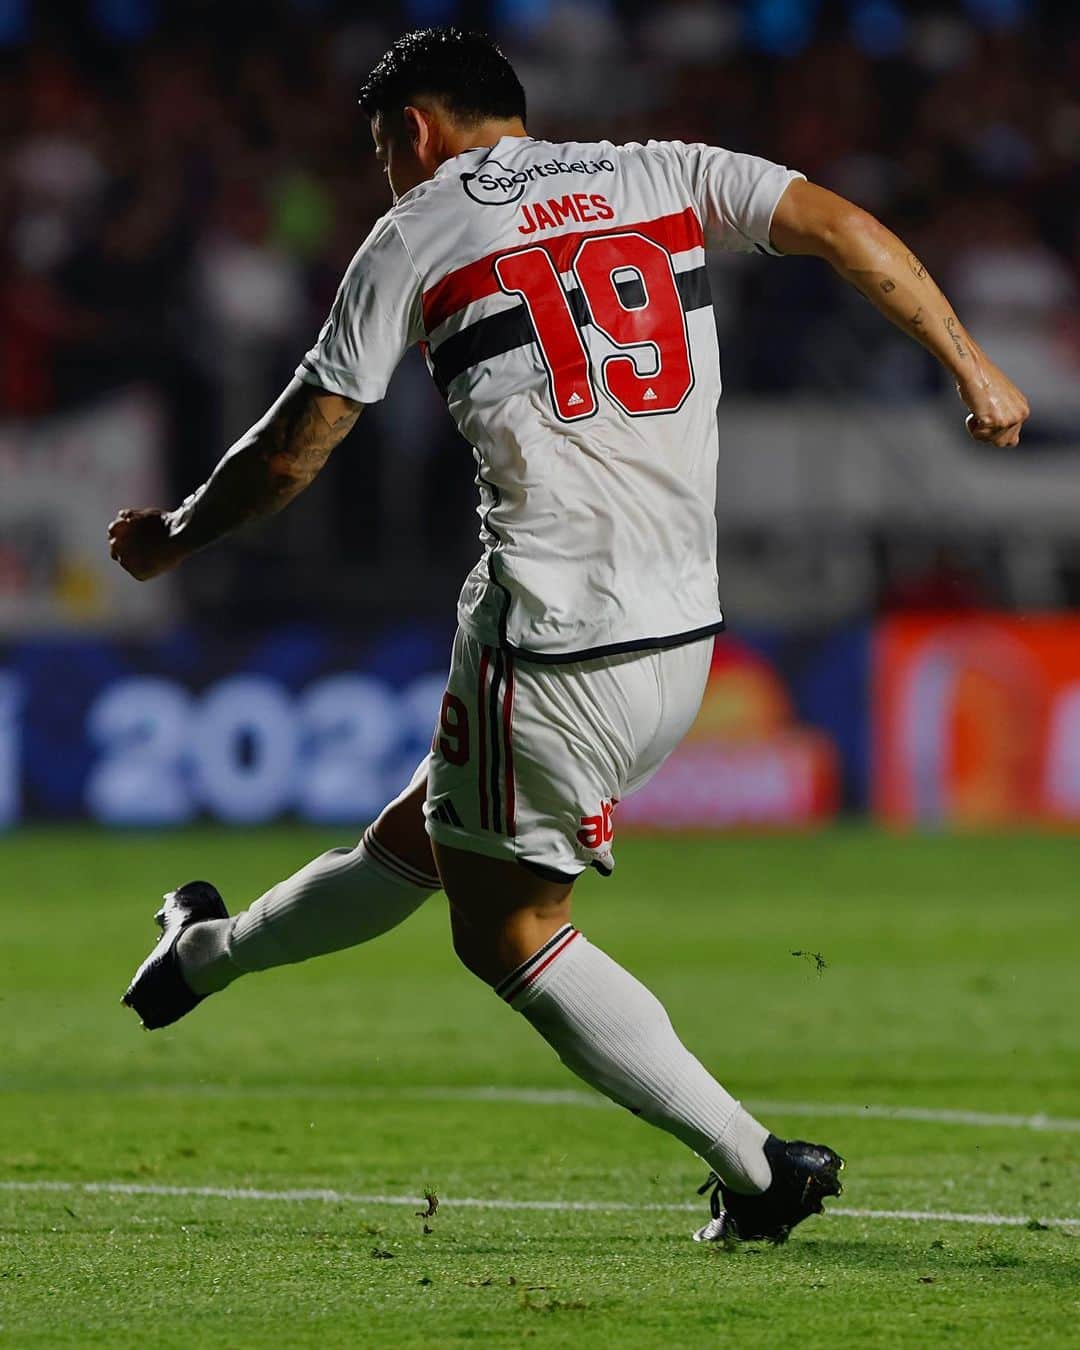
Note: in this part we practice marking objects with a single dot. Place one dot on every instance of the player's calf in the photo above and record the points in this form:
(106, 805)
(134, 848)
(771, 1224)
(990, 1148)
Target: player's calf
(605, 1026)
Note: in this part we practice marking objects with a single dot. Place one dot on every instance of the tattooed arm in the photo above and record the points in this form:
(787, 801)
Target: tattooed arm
(811, 220)
(261, 473)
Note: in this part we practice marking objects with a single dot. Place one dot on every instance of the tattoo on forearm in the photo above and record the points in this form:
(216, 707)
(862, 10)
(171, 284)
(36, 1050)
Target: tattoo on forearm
(950, 328)
(296, 443)
(918, 271)
(917, 320)
(262, 473)
(887, 285)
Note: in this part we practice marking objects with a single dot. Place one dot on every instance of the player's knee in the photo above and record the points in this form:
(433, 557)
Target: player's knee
(495, 945)
(491, 947)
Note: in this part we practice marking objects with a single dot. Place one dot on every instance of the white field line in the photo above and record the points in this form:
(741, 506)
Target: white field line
(332, 1197)
(925, 1115)
(1037, 1121)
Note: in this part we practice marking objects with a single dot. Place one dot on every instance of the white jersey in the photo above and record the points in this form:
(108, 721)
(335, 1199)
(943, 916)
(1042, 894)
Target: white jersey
(560, 295)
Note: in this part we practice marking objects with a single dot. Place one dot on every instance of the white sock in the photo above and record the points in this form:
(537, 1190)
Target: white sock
(343, 898)
(611, 1031)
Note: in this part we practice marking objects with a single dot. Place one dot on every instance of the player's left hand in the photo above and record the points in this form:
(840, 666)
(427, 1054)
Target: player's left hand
(140, 541)
(997, 408)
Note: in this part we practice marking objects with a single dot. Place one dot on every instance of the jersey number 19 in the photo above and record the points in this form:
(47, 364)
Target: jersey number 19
(658, 322)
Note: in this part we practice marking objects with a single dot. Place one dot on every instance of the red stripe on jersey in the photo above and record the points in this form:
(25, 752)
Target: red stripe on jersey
(476, 280)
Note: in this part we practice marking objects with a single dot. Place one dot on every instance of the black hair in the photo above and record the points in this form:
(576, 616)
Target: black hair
(463, 69)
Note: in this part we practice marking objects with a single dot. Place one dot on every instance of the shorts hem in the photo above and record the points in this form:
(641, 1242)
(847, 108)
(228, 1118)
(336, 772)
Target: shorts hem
(498, 846)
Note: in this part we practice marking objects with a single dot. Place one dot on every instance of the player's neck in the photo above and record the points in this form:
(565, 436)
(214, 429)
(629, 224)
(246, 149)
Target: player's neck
(483, 134)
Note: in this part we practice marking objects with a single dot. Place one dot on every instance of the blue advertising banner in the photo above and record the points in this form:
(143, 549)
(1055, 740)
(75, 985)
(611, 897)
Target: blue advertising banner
(296, 721)
(327, 727)
(828, 677)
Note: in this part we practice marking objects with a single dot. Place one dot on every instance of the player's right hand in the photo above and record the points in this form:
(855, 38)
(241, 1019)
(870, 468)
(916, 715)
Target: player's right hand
(997, 408)
(140, 541)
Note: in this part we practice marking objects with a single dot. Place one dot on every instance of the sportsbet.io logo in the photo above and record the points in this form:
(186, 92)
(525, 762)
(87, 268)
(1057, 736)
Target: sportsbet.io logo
(495, 185)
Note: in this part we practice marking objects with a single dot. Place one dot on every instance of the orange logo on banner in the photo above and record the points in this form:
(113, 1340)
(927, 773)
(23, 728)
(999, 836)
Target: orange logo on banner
(977, 720)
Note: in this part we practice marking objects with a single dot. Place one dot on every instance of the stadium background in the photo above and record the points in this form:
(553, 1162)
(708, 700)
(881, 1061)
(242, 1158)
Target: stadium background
(182, 188)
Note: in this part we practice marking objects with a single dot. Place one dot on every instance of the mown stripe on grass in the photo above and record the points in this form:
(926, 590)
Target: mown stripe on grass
(335, 1197)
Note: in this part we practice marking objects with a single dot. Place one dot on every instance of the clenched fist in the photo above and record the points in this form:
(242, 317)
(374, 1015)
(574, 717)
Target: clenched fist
(997, 408)
(140, 541)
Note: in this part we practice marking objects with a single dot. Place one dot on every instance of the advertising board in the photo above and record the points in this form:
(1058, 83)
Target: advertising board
(324, 727)
(977, 720)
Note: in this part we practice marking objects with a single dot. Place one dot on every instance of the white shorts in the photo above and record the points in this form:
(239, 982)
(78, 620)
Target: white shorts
(529, 761)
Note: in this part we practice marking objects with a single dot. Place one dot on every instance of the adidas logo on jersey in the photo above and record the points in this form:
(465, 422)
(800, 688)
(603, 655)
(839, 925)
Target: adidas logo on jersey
(649, 395)
(575, 400)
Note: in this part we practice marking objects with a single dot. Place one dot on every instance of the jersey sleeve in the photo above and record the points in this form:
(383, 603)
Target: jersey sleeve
(736, 196)
(374, 320)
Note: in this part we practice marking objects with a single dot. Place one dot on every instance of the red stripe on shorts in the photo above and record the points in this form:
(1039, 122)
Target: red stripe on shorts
(508, 723)
(481, 737)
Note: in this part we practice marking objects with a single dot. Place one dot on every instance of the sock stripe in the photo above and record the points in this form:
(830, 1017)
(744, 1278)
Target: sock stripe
(518, 971)
(382, 855)
(520, 988)
(517, 982)
(387, 860)
(405, 871)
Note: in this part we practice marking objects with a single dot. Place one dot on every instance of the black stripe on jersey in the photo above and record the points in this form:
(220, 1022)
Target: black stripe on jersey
(694, 289)
(512, 328)
(482, 340)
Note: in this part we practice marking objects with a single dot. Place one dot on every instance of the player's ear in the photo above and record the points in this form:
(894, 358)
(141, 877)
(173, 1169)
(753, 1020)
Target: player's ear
(418, 128)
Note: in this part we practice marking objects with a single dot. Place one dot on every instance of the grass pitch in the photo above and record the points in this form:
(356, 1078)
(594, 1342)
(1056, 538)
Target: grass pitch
(949, 983)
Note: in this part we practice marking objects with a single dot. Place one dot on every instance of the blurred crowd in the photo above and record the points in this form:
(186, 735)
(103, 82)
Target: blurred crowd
(183, 184)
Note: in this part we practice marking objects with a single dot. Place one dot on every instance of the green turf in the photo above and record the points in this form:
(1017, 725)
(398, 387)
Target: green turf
(950, 982)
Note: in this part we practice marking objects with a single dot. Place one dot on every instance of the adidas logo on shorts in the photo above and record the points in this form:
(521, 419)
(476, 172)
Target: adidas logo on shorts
(446, 813)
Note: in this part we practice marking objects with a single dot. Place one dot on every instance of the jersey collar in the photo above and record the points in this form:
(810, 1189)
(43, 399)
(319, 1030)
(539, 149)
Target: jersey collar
(452, 166)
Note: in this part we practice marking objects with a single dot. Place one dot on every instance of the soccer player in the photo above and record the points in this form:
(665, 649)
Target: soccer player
(560, 295)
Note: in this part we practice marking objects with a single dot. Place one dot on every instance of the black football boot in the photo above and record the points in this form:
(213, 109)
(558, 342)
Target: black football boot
(158, 992)
(803, 1176)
